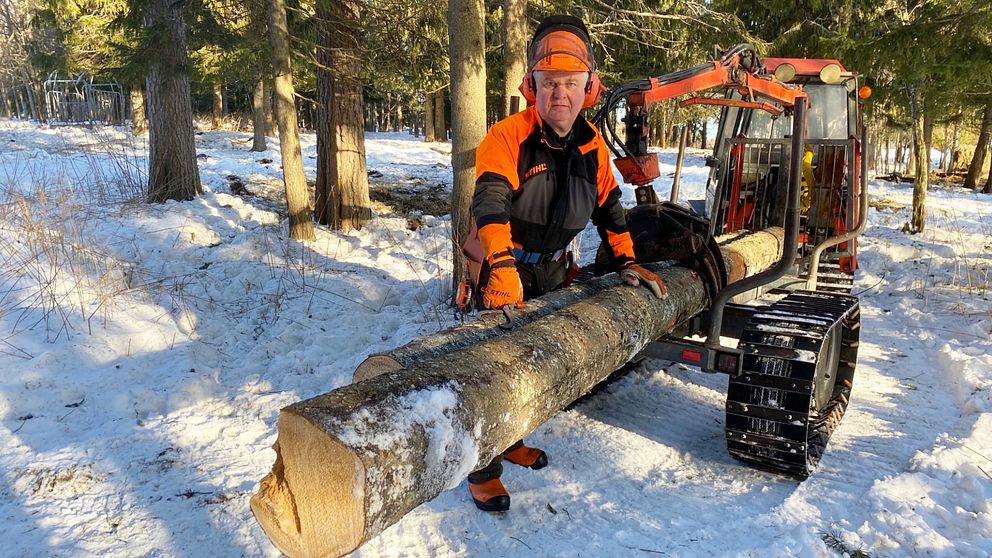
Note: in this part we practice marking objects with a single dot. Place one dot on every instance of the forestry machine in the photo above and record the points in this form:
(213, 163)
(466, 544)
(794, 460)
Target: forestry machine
(789, 153)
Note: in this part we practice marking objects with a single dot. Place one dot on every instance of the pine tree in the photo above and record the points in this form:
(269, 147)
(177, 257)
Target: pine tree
(342, 190)
(172, 169)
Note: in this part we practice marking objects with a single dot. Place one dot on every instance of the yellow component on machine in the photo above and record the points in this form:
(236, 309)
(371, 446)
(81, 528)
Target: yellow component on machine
(805, 196)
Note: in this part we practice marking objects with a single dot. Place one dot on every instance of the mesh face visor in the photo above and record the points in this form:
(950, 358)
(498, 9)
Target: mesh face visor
(561, 50)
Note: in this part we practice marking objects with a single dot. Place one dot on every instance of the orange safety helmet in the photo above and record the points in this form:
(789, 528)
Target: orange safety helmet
(561, 42)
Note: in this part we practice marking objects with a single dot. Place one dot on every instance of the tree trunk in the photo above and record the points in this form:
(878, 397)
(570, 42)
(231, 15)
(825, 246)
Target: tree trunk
(943, 148)
(325, 208)
(921, 158)
(911, 161)
(744, 256)
(343, 184)
(667, 124)
(352, 462)
(988, 183)
(138, 111)
(19, 101)
(952, 157)
(978, 159)
(34, 101)
(514, 53)
(271, 127)
(172, 168)
(429, 134)
(888, 152)
(297, 198)
(467, 55)
(217, 114)
(6, 102)
(899, 155)
(347, 128)
(398, 113)
(876, 150)
(440, 127)
(258, 122)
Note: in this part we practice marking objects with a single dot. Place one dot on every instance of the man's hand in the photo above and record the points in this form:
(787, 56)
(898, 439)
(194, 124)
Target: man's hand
(635, 275)
(503, 289)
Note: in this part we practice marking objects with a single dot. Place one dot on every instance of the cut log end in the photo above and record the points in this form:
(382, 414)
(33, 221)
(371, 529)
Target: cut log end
(312, 503)
(374, 366)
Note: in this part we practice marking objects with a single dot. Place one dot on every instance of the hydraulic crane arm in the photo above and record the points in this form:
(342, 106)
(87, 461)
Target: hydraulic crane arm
(737, 67)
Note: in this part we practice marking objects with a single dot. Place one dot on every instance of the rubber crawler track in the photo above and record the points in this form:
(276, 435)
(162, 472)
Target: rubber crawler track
(799, 359)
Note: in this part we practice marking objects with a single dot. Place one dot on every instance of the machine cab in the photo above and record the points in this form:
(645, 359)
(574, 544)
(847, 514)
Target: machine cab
(747, 181)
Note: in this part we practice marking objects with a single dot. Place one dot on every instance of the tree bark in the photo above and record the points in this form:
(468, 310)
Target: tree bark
(398, 115)
(943, 147)
(7, 112)
(978, 159)
(217, 114)
(514, 53)
(172, 168)
(899, 155)
(467, 40)
(743, 257)
(988, 183)
(666, 125)
(342, 160)
(352, 462)
(271, 126)
(325, 208)
(921, 158)
(138, 111)
(429, 134)
(297, 198)
(258, 122)
(440, 126)
(888, 151)
(952, 157)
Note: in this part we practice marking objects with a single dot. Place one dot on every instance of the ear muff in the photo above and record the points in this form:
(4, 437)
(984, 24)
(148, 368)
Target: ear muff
(594, 89)
(584, 53)
(528, 88)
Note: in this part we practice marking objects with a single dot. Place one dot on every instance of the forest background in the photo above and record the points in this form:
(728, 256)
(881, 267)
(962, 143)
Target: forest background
(448, 70)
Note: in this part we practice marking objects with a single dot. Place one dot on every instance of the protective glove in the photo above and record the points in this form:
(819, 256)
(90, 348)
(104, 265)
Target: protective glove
(635, 275)
(503, 287)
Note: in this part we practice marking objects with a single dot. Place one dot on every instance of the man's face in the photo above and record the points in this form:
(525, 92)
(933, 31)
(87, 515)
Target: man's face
(559, 98)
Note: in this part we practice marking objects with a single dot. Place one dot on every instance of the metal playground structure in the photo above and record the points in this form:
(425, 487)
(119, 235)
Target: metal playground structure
(78, 100)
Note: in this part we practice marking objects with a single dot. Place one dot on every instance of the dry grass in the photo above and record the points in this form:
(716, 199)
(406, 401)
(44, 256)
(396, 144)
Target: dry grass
(53, 275)
(963, 285)
(57, 274)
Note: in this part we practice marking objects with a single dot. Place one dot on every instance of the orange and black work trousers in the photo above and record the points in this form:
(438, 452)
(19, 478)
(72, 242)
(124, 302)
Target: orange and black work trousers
(537, 280)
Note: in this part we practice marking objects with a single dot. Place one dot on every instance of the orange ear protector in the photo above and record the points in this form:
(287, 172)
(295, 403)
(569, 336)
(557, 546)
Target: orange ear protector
(560, 44)
(594, 89)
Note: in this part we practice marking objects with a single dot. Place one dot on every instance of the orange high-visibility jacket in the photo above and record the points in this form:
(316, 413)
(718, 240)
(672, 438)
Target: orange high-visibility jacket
(516, 188)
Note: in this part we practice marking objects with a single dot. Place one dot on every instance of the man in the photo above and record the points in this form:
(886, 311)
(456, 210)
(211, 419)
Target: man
(541, 175)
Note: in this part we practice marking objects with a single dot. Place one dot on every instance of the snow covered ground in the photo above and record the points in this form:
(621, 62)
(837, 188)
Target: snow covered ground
(146, 350)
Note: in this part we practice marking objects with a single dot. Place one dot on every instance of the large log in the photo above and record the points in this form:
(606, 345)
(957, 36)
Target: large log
(744, 255)
(352, 462)
(747, 254)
